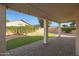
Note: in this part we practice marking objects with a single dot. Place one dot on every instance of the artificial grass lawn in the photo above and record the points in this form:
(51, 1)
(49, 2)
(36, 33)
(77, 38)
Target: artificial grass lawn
(17, 42)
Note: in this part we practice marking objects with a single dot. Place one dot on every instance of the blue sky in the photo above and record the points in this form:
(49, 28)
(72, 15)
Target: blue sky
(13, 15)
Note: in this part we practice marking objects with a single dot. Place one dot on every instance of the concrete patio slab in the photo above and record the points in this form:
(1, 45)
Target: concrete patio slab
(64, 46)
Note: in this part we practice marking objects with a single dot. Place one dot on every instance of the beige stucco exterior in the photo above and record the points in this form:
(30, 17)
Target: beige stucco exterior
(77, 39)
(2, 29)
(45, 41)
(77, 32)
(16, 23)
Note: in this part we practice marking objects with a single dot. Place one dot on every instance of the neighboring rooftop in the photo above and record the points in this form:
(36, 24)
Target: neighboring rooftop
(17, 23)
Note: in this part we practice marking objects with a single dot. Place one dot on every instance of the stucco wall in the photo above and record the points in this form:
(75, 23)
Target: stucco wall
(2, 29)
(77, 39)
(16, 23)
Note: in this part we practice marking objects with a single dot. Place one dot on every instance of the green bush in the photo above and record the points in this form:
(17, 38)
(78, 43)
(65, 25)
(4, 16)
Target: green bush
(68, 29)
(19, 30)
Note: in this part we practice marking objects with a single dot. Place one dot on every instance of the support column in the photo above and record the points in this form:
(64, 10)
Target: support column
(59, 30)
(2, 29)
(77, 38)
(77, 31)
(45, 31)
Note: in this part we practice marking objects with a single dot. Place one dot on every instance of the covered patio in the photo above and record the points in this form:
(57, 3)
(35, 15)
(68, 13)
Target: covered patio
(56, 47)
(54, 12)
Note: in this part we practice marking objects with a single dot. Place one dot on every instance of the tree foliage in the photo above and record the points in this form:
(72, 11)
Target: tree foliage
(72, 24)
(41, 22)
(7, 20)
(65, 25)
(20, 30)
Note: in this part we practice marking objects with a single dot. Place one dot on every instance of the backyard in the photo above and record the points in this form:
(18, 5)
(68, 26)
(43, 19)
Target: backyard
(35, 35)
(18, 42)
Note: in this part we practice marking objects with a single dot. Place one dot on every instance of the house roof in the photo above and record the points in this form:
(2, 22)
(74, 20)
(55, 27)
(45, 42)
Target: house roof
(20, 20)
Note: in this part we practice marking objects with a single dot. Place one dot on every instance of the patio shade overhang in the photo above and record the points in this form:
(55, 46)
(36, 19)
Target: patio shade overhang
(55, 12)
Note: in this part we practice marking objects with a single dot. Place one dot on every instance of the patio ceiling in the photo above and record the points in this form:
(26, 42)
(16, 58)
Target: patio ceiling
(51, 11)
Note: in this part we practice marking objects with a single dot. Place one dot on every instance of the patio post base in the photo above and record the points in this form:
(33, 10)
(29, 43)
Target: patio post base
(45, 43)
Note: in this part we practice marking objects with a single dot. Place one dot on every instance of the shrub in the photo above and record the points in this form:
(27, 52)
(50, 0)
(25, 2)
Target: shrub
(68, 29)
(19, 30)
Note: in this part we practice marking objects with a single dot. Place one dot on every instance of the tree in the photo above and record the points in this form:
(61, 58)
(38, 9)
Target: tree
(72, 24)
(7, 20)
(65, 25)
(41, 21)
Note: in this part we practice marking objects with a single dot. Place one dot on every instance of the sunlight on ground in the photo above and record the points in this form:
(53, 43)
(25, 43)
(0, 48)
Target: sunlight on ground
(17, 42)
(52, 35)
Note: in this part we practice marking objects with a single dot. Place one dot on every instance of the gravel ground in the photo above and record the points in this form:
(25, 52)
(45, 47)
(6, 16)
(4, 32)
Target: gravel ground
(56, 47)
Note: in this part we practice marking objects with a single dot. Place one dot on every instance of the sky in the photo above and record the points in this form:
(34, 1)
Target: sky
(14, 15)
